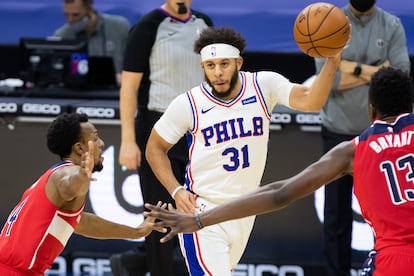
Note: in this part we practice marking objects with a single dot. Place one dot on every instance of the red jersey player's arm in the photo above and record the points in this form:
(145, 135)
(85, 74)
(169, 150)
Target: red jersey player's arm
(67, 187)
(334, 164)
(96, 227)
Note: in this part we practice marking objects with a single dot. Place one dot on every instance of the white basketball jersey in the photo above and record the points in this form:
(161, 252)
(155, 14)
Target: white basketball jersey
(228, 141)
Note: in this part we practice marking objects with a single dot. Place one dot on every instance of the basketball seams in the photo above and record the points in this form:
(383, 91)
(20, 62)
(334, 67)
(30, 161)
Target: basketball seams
(307, 25)
(322, 21)
(324, 37)
(311, 41)
(308, 33)
(325, 31)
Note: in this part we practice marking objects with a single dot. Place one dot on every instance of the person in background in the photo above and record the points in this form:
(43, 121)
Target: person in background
(52, 209)
(383, 185)
(378, 39)
(106, 34)
(159, 65)
(226, 120)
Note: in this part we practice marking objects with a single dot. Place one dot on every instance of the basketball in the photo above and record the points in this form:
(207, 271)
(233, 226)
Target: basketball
(321, 30)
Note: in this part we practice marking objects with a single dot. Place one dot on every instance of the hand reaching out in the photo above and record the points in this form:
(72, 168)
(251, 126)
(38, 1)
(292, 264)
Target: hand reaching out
(148, 225)
(179, 222)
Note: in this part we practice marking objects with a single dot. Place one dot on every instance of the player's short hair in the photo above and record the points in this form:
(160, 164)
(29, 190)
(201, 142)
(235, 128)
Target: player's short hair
(224, 35)
(64, 132)
(391, 91)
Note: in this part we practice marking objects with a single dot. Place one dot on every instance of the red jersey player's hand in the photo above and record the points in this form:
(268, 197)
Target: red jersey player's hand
(88, 162)
(148, 225)
(177, 221)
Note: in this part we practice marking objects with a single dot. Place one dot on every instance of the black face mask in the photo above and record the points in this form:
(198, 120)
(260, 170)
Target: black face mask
(362, 5)
(182, 9)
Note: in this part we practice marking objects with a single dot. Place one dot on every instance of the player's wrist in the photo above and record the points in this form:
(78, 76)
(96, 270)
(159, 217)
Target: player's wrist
(175, 191)
(198, 221)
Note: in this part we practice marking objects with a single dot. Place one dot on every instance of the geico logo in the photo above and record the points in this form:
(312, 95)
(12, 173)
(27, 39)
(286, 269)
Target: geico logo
(80, 266)
(41, 108)
(268, 269)
(8, 107)
(308, 119)
(59, 267)
(99, 112)
(87, 266)
(283, 118)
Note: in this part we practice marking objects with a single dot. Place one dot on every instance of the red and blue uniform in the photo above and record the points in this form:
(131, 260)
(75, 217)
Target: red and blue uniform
(36, 231)
(384, 186)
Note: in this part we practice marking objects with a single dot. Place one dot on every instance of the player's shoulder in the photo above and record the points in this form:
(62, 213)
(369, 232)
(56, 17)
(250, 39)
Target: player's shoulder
(183, 98)
(196, 90)
(268, 76)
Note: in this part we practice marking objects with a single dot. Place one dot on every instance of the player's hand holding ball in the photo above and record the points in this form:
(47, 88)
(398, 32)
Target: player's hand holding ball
(321, 30)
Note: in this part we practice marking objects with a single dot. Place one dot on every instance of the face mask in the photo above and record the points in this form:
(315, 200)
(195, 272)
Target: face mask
(182, 9)
(80, 25)
(362, 5)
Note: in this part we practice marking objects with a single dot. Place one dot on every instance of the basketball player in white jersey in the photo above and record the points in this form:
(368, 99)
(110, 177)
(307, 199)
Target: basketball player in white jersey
(226, 120)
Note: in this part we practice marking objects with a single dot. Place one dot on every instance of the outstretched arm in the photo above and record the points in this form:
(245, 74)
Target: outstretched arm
(96, 227)
(312, 99)
(271, 197)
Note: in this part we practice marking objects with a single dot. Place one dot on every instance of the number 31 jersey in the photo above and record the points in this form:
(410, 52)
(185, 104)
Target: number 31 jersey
(228, 141)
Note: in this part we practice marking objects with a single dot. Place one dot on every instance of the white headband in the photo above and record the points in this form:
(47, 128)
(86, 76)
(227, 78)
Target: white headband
(219, 50)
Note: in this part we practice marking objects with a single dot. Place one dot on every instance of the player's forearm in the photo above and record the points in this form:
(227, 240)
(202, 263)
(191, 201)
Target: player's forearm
(261, 201)
(161, 165)
(96, 227)
(322, 85)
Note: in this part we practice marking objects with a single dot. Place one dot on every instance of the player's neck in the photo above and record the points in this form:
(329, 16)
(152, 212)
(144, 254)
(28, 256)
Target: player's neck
(388, 119)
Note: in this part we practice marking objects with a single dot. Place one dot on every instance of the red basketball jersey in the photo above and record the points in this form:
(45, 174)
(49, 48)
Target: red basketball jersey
(36, 231)
(384, 181)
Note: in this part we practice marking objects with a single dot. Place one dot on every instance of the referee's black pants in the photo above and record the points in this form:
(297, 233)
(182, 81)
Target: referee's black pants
(338, 215)
(159, 255)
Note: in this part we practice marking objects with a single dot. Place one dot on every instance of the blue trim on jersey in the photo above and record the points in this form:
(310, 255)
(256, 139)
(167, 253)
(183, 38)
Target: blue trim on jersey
(379, 127)
(191, 255)
(187, 181)
(260, 93)
(193, 106)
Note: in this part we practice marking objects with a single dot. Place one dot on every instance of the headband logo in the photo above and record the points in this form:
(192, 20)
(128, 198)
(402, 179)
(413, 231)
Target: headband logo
(219, 50)
(213, 51)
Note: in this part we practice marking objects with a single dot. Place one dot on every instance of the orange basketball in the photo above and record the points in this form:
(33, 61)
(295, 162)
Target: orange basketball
(321, 30)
